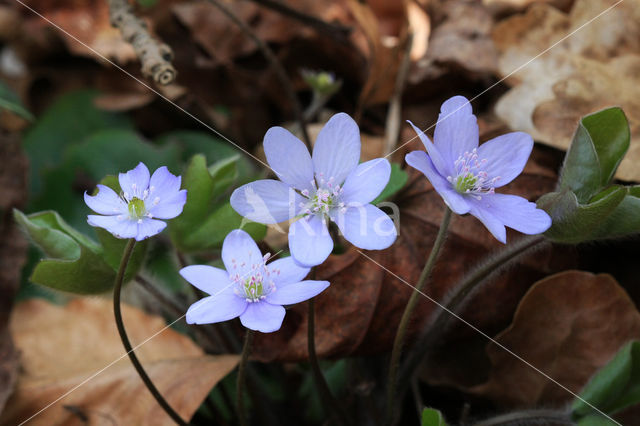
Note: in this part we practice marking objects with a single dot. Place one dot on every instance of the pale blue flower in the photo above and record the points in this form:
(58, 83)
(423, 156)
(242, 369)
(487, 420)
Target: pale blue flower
(134, 212)
(249, 288)
(330, 185)
(466, 175)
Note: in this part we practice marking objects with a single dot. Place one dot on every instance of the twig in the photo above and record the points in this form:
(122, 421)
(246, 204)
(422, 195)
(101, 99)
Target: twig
(395, 104)
(275, 63)
(337, 31)
(154, 55)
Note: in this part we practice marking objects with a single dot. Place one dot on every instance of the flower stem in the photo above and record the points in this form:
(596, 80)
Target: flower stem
(242, 370)
(458, 297)
(125, 339)
(408, 312)
(329, 402)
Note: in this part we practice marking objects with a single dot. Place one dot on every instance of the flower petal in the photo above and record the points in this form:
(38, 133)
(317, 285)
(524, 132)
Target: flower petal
(456, 130)
(366, 181)
(444, 168)
(421, 161)
(289, 158)
(120, 227)
(367, 227)
(148, 228)
(489, 220)
(337, 149)
(285, 271)
(266, 201)
(221, 307)
(167, 207)
(263, 316)
(240, 253)
(309, 241)
(163, 183)
(206, 278)
(516, 213)
(296, 292)
(135, 181)
(506, 156)
(106, 201)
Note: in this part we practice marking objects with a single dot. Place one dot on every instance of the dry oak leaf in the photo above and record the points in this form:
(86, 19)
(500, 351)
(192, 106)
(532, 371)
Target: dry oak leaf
(87, 20)
(360, 311)
(594, 68)
(63, 346)
(568, 325)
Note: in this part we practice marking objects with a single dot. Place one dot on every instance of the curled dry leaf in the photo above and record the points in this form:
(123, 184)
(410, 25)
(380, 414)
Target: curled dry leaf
(63, 346)
(460, 40)
(594, 68)
(359, 312)
(87, 20)
(568, 325)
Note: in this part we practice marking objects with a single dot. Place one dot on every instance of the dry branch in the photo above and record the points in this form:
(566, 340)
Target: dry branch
(154, 55)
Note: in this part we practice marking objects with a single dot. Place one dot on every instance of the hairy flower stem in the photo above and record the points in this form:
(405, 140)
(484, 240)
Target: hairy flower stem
(125, 339)
(458, 297)
(529, 417)
(408, 312)
(328, 401)
(242, 370)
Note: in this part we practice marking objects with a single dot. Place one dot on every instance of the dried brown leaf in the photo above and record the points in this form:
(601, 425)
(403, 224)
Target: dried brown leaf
(63, 346)
(594, 68)
(568, 325)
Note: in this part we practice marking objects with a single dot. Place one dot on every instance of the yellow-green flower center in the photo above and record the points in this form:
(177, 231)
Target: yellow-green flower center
(465, 183)
(253, 289)
(137, 209)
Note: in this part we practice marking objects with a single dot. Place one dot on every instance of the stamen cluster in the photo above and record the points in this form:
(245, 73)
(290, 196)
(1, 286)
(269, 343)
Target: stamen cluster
(470, 178)
(326, 196)
(138, 203)
(258, 285)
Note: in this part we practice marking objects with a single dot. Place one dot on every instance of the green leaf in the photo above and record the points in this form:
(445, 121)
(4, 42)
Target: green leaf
(574, 222)
(223, 173)
(68, 121)
(598, 146)
(613, 388)
(432, 417)
(198, 228)
(110, 150)
(218, 224)
(397, 181)
(10, 101)
(74, 262)
(596, 420)
(624, 219)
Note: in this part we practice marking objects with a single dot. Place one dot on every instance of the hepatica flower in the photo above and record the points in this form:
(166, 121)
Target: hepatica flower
(328, 186)
(134, 213)
(466, 175)
(249, 288)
